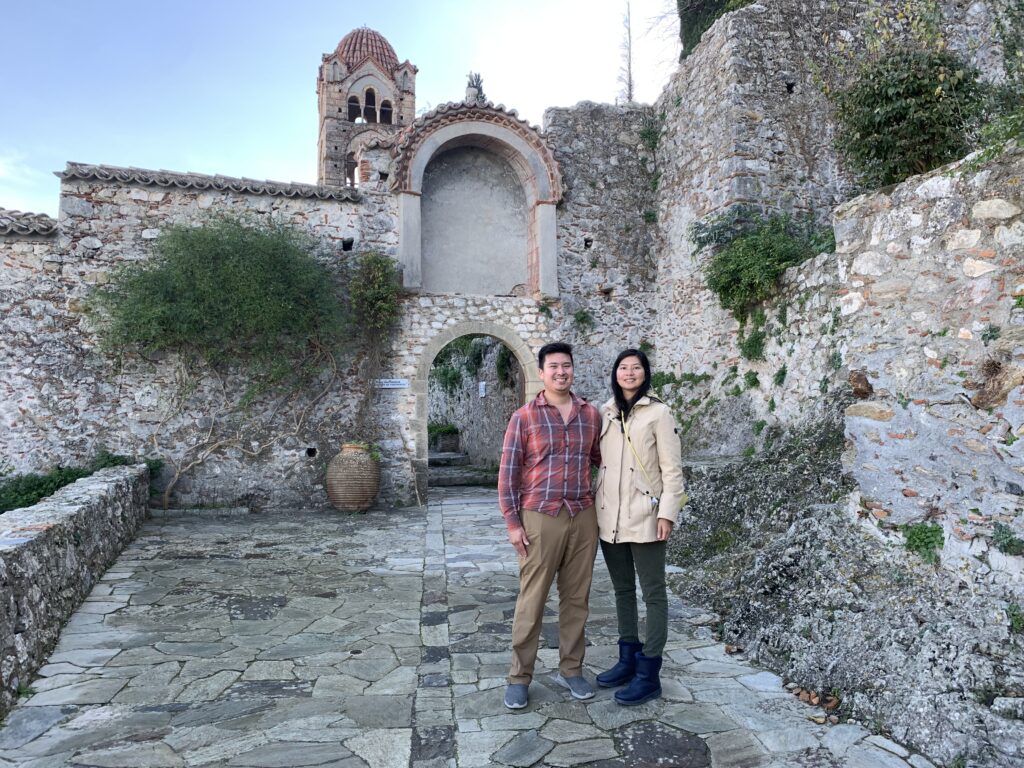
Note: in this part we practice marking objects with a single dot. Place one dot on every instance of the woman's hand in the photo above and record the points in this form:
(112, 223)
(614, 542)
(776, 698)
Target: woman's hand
(664, 529)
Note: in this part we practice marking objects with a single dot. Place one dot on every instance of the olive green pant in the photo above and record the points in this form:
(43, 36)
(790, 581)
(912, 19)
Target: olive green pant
(625, 563)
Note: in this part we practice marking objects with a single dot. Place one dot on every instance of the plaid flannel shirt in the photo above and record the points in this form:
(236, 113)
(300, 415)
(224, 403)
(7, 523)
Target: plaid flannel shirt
(545, 461)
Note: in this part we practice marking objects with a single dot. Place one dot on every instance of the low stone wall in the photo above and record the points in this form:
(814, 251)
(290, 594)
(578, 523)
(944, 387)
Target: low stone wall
(51, 554)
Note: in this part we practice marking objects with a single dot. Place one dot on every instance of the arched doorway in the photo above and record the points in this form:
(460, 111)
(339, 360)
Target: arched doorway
(522, 352)
(475, 385)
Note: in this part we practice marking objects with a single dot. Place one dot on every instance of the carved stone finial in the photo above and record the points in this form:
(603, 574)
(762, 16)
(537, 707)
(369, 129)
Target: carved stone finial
(475, 88)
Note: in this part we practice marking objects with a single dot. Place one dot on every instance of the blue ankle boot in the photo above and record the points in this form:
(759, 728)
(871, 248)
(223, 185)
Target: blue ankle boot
(646, 684)
(624, 670)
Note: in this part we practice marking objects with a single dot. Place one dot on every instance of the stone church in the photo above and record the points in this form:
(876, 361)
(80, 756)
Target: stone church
(581, 230)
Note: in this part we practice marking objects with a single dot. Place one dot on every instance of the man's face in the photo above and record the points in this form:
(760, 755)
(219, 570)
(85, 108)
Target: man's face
(557, 372)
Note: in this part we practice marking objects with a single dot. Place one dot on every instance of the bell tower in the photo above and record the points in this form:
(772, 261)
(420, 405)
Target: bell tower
(363, 93)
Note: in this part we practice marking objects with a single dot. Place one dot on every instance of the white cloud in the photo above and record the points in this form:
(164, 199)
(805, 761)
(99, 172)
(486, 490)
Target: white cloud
(25, 188)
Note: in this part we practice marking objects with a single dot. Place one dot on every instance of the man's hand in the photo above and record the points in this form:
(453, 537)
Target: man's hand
(519, 541)
(664, 529)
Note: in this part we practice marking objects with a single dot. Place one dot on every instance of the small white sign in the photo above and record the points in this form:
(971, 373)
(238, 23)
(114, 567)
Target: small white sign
(392, 383)
(482, 387)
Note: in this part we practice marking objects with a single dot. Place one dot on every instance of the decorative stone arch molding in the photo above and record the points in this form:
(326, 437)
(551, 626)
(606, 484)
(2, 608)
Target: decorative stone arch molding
(495, 130)
(523, 352)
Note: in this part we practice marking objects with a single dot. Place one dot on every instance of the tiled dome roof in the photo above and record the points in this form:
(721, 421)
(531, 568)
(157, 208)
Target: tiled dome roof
(365, 43)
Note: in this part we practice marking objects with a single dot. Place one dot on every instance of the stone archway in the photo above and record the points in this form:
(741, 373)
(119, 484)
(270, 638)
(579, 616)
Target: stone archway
(488, 128)
(524, 354)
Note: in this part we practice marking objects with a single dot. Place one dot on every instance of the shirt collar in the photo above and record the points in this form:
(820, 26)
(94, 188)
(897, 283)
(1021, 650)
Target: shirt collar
(542, 400)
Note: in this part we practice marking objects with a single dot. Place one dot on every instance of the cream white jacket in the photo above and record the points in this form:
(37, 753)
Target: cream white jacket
(629, 499)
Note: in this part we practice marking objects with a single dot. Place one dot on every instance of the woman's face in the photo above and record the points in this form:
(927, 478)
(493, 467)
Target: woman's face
(630, 376)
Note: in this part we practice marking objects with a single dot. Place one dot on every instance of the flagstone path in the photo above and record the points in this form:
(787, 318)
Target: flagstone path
(377, 640)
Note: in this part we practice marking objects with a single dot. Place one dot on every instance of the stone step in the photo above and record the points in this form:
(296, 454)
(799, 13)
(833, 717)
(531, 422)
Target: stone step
(447, 459)
(445, 476)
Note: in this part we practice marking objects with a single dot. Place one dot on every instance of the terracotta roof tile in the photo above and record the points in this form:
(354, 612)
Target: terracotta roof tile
(19, 223)
(201, 181)
(365, 43)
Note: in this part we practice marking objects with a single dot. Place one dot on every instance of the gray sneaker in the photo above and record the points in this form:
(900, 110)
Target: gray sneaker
(578, 686)
(516, 696)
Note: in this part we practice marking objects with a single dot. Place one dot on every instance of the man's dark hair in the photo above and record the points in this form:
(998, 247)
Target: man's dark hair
(623, 404)
(555, 347)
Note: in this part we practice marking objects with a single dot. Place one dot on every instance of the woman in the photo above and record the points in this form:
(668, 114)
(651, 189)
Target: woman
(639, 494)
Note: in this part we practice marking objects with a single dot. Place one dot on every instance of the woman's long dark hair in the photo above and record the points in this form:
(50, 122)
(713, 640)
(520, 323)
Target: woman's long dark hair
(620, 398)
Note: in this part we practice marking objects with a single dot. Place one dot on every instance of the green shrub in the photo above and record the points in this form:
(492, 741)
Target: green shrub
(991, 333)
(661, 379)
(448, 377)
(925, 539)
(1016, 617)
(907, 111)
(650, 133)
(751, 345)
(436, 430)
(228, 291)
(25, 490)
(374, 293)
(745, 270)
(751, 380)
(1006, 541)
(583, 319)
(505, 365)
(780, 376)
(475, 359)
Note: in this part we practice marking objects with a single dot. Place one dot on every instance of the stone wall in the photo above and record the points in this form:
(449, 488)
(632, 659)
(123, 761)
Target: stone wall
(51, 554)
(919, 311)
(63, 399)
(743, 122)
(931, 274)
(606, 224)
(803, 587)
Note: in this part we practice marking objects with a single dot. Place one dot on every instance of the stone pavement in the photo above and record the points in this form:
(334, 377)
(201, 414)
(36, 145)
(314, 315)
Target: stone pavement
(376, 640)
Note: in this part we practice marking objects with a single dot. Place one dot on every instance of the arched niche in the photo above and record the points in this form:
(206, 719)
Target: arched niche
(499, 133)
(474, 216)
(524, 354)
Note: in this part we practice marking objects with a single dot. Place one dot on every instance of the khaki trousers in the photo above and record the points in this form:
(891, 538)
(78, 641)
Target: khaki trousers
(565, 547)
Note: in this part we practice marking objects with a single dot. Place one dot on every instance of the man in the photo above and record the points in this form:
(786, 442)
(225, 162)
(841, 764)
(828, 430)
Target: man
(544, 493)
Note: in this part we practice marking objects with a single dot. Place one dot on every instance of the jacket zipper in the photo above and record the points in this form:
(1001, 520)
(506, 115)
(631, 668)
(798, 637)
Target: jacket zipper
(618, 491)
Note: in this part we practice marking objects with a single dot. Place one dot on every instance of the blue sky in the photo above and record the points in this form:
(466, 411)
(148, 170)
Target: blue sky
(228, 86)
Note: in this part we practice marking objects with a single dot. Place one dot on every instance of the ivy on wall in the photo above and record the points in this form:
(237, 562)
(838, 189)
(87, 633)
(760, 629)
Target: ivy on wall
(261, 300)
(908, 113)
(697, 16)
(905, 103)
(750, 252)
